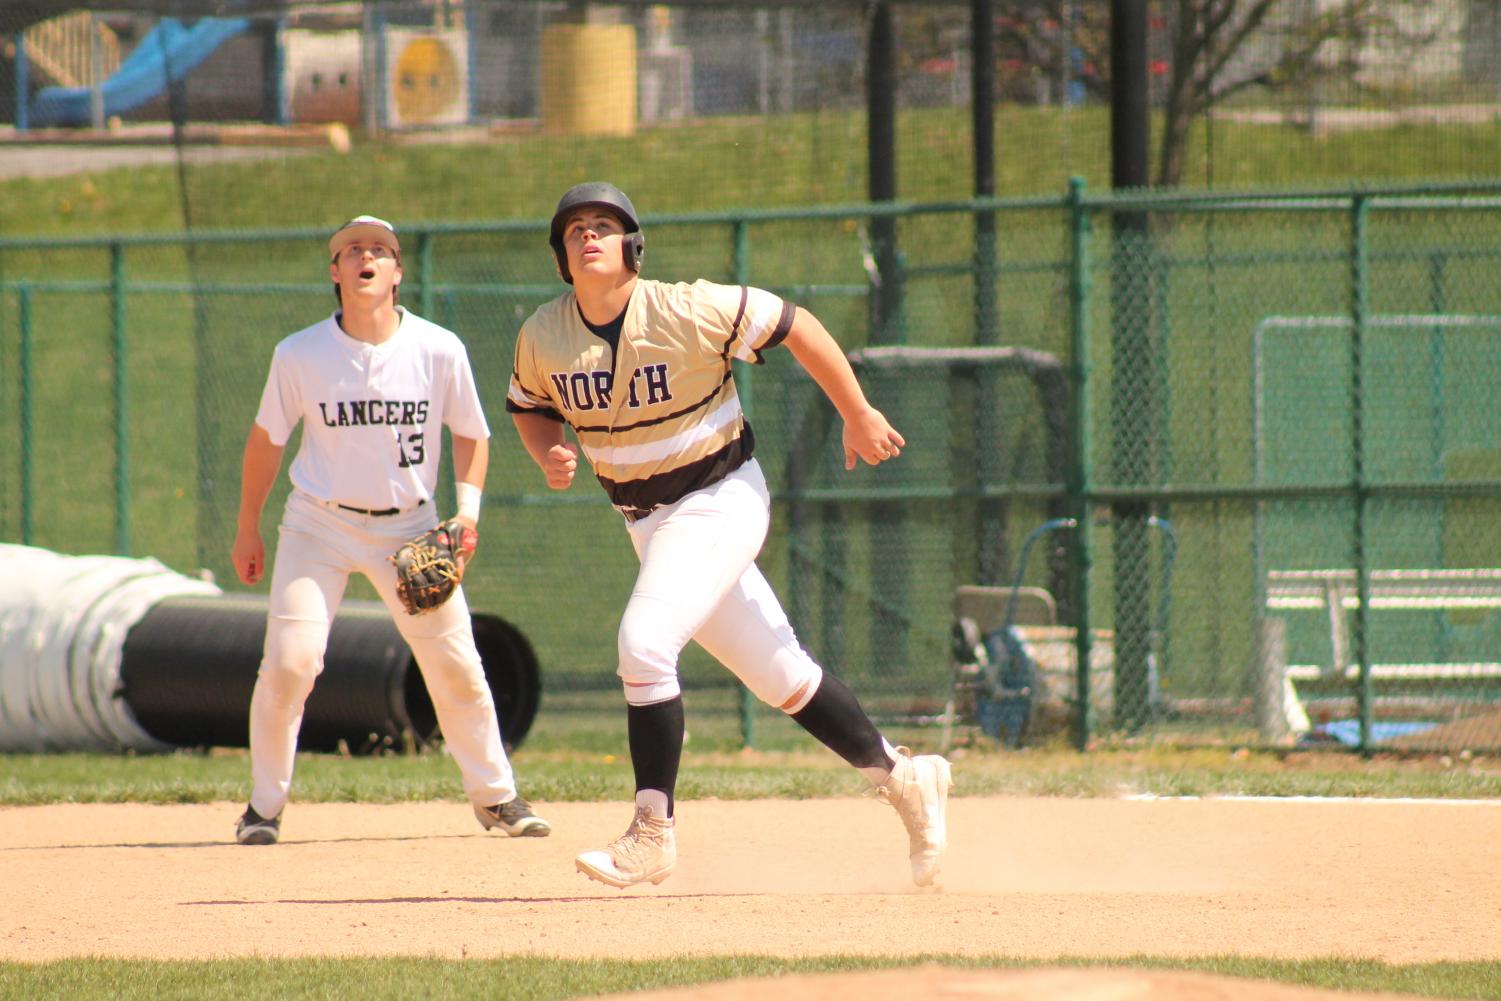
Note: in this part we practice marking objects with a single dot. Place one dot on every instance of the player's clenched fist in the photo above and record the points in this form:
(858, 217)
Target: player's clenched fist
(249, 556)
(870, 437)
(560, 463)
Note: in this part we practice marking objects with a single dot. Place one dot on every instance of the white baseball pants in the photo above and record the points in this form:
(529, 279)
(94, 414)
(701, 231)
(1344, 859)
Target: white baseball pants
(699, 581)
(320, 545)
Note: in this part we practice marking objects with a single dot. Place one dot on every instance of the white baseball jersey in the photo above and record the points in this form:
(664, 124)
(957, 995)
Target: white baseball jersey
(661, 418)
(372, 414)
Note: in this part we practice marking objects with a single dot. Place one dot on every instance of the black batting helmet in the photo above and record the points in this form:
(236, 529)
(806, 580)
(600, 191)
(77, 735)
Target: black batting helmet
(606, 196)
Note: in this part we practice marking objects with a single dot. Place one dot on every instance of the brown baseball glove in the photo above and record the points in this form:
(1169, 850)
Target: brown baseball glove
(429, 567)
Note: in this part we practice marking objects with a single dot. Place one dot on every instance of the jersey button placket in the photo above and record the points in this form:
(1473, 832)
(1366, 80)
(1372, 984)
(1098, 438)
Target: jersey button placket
(622, 362)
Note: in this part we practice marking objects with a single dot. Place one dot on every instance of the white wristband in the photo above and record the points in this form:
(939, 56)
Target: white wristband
(468, 496)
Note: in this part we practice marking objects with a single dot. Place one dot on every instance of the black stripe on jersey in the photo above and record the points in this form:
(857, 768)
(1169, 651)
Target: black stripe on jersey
(779, 334)
(710, 398)
(512, 407)
(515, 408)
(784, 326)
(735, 332)
(670, 487)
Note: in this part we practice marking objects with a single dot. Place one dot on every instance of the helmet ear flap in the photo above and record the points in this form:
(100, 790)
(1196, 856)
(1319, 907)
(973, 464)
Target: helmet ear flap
(562, 257)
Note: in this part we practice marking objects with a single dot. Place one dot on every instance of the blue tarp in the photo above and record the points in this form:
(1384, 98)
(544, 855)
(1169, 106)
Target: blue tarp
(166, 55)
(1347, 731)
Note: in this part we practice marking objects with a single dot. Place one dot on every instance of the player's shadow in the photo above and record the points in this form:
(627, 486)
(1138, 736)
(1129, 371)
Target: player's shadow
(352, 901)
(120, 844)
(229, 841)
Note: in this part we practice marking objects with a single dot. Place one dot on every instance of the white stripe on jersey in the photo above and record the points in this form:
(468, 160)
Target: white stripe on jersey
(523, 399)
(655, 451)
(763, 311)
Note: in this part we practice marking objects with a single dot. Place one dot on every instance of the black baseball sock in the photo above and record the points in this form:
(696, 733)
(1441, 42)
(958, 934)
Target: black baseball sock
(656, 737)
(834, 716)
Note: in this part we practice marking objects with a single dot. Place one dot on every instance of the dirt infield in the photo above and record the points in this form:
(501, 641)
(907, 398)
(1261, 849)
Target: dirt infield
(1398, 881)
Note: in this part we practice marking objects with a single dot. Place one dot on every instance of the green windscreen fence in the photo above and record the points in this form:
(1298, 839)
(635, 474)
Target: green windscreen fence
(1428, 378)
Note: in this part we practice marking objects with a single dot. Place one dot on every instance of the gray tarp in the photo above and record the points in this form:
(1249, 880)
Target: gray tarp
(63, 624)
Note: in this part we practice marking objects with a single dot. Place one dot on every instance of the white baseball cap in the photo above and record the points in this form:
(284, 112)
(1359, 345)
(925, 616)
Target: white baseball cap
(363, 229)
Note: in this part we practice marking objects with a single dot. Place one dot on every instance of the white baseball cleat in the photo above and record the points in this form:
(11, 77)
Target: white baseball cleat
(919, 789)
(646, 852)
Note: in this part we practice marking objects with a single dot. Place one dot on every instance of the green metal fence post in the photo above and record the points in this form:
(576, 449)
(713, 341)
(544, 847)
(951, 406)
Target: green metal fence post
(1079, 476)
(425, 274)
(1438, 281)
(1359, 313)
(122, 425)
(426, 304)
(745, 386)
(1438, 263)
(28, 500)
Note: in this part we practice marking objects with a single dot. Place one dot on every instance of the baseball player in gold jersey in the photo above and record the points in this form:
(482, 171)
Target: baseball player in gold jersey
(641, 371)
(373, 387)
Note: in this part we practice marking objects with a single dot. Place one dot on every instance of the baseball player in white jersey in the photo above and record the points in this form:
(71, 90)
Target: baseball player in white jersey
(373, 385)
(641, 371)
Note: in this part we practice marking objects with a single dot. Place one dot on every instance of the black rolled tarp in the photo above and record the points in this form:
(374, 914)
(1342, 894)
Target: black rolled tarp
(189, 667)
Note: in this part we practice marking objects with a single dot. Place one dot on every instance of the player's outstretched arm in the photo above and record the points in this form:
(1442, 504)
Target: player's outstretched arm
(544, 441)
(258, 471)
(867, 434)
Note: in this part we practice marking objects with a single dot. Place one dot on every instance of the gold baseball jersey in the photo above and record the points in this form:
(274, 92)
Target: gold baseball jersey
(659, 417)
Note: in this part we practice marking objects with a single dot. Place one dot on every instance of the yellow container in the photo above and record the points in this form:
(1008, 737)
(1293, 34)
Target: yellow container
(589, 79)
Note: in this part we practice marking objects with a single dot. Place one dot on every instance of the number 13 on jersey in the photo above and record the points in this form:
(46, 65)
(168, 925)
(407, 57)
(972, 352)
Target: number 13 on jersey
(411, 449)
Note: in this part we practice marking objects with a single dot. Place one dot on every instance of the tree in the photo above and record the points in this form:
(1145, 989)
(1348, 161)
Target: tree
(1207, 51)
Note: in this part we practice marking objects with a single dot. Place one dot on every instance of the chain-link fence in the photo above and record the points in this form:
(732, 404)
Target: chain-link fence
(1245, 441)
(1232, 452)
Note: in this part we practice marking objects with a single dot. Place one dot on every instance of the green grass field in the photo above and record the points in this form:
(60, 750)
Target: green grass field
(547, 979)
(810, 158)
(559, 764)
